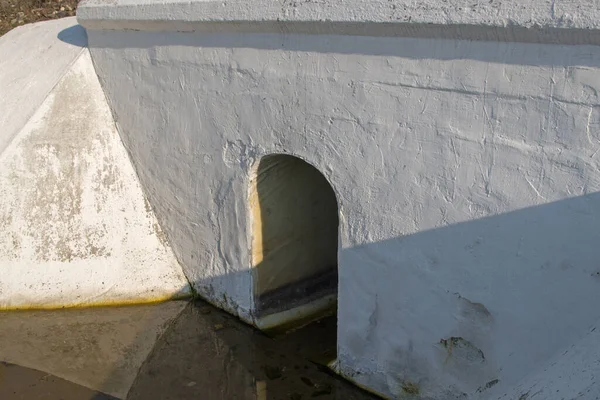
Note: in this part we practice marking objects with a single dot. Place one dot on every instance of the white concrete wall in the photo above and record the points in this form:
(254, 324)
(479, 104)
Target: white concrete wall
(32, 66)
(294, 242)
(466, 172)
(75, 228)
(572, 373)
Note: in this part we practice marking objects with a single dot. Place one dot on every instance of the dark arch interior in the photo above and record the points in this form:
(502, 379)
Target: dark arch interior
(295, 240)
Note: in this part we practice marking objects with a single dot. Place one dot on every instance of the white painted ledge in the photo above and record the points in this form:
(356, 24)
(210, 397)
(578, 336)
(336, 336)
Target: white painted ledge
(34, 68)
(75, 228)
(573, 22)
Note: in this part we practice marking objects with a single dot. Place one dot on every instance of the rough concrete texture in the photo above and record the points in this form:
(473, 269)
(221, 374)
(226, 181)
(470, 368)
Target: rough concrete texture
(98, 348)
(32, 62)
(75, 228)
(572, 374)
(516, 20)
(544, 13)
(466, 174)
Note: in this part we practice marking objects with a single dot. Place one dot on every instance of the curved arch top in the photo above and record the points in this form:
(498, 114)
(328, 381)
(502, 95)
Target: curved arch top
(294, 235)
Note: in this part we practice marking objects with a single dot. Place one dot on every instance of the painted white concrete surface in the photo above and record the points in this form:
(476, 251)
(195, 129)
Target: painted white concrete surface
(32, 65)
(466, 173)
(579, 14)
(573, 374)
(75, 228)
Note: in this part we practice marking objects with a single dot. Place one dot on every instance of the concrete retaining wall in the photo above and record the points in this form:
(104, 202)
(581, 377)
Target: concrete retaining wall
(466, 171)
(75, 228)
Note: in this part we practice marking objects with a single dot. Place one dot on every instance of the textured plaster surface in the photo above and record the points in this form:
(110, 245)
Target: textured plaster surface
(554, 21)
(31, 65)
(466, 173)
(573, 373)
(75, 228)
(544, 13)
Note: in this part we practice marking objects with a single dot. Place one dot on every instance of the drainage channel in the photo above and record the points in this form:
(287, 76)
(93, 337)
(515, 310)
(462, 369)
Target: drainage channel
(173, 350)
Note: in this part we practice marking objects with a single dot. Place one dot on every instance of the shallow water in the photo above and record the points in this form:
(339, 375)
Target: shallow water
(191, 351)
(20, 383)
(207, 354)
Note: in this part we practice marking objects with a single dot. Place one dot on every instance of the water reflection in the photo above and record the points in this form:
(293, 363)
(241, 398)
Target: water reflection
(206, 354)
(20, 383)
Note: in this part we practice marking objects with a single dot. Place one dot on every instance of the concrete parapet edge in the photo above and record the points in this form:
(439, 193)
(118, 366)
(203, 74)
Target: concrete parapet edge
(536, 21)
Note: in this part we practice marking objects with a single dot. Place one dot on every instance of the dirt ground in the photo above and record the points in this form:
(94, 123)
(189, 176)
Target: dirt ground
(14, 13)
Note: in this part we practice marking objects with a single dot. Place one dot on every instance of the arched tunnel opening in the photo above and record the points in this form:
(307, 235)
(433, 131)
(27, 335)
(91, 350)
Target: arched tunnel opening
(294, 254)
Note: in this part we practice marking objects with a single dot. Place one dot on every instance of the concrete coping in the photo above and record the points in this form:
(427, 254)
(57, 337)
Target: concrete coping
(538, 21)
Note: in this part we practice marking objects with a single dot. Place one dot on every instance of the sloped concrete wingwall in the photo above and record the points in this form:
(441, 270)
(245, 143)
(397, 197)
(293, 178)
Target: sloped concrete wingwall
(75, 228)
(466, 172)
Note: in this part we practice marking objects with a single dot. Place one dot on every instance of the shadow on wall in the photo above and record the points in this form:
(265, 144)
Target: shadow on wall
(518, 287)
(515, 288)
(506, 292)
(474, 302)
(416, 48)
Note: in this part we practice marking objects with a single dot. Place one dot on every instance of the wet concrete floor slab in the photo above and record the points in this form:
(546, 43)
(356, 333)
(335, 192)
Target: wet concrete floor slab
(99, 348)
(20, 383)
(172, 350)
